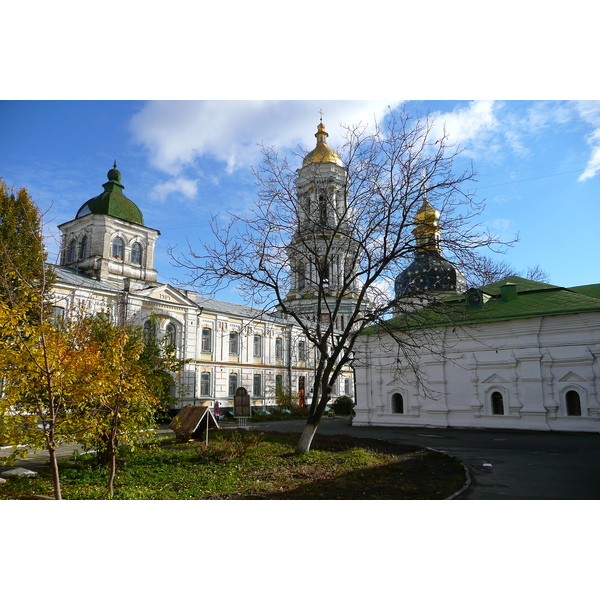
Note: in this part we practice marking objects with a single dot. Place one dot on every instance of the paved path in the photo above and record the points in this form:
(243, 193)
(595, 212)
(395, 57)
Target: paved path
(503, 465)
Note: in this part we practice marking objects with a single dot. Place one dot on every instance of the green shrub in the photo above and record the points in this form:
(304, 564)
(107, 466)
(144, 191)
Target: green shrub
(343, 405)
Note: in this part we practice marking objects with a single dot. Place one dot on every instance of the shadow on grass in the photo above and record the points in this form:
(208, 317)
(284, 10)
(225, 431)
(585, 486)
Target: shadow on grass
(417, 474)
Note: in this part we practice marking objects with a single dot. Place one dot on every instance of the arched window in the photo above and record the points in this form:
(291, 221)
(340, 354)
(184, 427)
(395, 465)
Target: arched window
(149, 330)
(322, 209)
(136, 253)
(301, 275)
(171, 334)
(573, 404)
(497, 403)
(397, 403)
(83, 248)
(71, 254)
(118, 248)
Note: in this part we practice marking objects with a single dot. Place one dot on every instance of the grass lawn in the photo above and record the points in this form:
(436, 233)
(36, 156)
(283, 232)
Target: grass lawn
(239, 464)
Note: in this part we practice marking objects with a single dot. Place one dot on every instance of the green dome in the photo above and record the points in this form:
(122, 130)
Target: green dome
(112, 201)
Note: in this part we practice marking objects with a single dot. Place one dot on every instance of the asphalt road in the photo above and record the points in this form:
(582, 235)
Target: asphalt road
(503, 465)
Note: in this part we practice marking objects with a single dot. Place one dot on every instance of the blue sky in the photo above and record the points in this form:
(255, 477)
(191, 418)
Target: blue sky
(538, 163)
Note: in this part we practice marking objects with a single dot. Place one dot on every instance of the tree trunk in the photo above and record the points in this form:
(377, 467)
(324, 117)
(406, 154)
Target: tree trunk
(112, 455)
(306, 438)
(317, 410)
(54, 471)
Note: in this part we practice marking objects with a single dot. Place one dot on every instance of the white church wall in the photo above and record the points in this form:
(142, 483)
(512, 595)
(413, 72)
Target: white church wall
(526, 366)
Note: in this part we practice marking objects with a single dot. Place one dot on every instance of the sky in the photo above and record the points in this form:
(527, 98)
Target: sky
(537, 164)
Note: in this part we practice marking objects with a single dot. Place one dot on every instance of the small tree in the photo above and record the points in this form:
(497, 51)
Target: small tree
(40, 366)
(118, 407)
(45, 367)
(284, 238)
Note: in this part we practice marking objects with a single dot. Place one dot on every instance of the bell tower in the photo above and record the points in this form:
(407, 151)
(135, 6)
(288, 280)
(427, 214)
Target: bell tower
(107, 239)
(321, 252)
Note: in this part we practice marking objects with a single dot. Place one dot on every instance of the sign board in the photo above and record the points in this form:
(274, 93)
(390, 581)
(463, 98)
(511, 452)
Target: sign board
(241, 403)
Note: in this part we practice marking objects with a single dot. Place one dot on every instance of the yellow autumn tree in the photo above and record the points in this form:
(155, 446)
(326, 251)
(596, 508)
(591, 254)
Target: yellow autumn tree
(44, 367)
(118, 407)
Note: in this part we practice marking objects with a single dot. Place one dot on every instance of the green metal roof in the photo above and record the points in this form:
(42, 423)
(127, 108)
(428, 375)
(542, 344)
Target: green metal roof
(592, 290)
(532, 299)
(112, 201)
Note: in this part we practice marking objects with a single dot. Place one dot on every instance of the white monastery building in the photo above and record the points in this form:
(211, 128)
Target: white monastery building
(516, 354)
(107, 264)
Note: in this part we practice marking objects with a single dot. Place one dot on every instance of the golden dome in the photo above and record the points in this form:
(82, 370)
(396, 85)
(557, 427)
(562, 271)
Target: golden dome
(322, 153)
(427, 215)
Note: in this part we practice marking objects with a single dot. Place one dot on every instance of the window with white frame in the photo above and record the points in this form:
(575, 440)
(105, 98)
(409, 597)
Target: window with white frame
(83, 247)
(71, 253)
(205, 383)
(171, 335)
(136, 253)
(347, 390)
(302, 351)
(257, 385)
(301, 275)
(233, 384)
(234, 342)
(258, 343)
(206, 339)
(118, 248)
(149, 330)
(278, 349)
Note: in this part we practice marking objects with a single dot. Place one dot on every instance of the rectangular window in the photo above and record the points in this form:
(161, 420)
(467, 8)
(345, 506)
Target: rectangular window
(206, 339)
(347, 390)
(205, 383)
(234, 342)
(278, 349)
(257, 385)
(233, 384)
(278, 384)
(258, 346)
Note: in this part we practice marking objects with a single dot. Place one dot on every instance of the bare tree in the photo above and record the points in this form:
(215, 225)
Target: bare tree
(487, 270)
(321, 244)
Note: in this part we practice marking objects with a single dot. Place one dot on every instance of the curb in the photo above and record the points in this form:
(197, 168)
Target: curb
(465, 468)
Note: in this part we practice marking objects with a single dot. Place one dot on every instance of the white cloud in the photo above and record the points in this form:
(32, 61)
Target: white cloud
(186, 187)
(472, 124)
(177, 133)
(589, 111)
